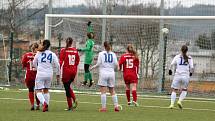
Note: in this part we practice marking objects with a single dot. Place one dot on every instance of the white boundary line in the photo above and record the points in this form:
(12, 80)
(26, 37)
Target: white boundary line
(149, 97)
(149, 106)
(188, 99)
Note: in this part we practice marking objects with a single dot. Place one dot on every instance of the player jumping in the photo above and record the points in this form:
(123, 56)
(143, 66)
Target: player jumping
(88, 50)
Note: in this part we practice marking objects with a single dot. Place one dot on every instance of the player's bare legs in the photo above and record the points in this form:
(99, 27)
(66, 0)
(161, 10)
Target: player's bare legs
(103, 98)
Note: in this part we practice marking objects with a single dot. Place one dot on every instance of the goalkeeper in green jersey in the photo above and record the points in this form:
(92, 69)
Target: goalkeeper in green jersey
(88, 50)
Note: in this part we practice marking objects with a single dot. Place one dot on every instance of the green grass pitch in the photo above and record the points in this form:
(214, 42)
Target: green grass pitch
(14, 106)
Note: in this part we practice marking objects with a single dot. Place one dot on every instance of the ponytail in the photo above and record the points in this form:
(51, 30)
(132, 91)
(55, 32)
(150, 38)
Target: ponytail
(69, 41)
(107, 46)
(45, 45)
(130, 49)
(34, 46)
(184, 50)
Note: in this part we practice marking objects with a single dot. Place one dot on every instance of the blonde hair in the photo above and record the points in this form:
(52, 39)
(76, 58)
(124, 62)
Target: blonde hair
(130, 49)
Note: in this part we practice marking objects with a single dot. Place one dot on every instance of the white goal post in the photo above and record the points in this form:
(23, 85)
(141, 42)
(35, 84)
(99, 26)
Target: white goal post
(48, 27)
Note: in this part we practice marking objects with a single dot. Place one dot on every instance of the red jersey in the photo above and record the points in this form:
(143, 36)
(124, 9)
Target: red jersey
(130, 65)
(30, 75)
(69, 60)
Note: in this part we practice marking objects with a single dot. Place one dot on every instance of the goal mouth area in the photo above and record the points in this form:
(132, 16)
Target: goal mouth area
(144, 33)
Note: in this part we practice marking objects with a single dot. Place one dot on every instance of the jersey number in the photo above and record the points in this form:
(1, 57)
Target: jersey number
(108, 58)
(182, 62)
(129, 63)
(45, 58)
(71, 59)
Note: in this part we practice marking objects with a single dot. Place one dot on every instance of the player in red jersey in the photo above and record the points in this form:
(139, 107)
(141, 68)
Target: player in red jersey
(69, 60)
(30, 75)
(129, 63)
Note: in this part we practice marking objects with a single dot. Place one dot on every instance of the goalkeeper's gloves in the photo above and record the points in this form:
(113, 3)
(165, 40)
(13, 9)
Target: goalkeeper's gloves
(89, 23)
(191, 74)
(78, 49)
(170, 72)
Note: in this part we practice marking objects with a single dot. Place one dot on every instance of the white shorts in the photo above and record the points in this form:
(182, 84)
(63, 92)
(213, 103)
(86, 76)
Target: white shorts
(107, 79)
(180, 82)
(43, 82)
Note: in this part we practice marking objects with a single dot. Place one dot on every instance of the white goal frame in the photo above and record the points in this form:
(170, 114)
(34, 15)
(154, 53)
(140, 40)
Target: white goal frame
(48, 27)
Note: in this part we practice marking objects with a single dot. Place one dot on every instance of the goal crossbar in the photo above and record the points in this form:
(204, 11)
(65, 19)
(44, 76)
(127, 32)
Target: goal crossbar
(130, 17)
(48, 27)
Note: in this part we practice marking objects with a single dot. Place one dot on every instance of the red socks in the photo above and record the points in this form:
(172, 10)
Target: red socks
(128, 95)
(72, 94)
(31, 97)
(134, 94)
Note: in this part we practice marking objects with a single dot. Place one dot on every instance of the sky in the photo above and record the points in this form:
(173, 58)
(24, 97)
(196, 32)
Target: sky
(68, 3)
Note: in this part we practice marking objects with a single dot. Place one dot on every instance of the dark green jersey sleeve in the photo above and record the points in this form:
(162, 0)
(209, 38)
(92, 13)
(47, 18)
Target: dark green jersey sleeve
(90, 28)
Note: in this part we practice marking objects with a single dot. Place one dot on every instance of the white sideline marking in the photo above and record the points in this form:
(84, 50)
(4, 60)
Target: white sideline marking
(147, 97)
(193, 109)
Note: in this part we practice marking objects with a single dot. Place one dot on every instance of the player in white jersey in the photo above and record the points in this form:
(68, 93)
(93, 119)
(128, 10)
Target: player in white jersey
(183, 71)
(107, 62)
(45, 61)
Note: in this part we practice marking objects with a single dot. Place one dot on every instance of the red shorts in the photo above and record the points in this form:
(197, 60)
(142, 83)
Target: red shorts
(30, 79)
(130, 79)
(29, 83)
(68, 75)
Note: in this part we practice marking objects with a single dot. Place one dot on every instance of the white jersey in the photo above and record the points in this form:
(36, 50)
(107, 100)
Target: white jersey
(107, 61)
(45, 62)
(182, 68)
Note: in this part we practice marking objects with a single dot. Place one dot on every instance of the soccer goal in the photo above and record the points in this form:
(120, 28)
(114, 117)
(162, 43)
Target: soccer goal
(4, 62)
(155, 48)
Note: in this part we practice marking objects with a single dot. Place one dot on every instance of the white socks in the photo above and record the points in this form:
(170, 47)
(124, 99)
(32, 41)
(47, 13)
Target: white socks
(115, 100)
(103, 100)
(182, 95)
(41, 97)
(173, 97)
(47, 97)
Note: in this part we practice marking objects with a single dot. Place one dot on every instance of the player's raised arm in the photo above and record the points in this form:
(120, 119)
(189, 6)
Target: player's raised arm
(89, 27)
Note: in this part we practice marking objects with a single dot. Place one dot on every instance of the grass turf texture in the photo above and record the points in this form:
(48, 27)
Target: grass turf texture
(14, 106)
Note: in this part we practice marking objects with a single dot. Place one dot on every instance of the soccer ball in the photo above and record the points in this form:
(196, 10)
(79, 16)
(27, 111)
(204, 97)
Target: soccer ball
(165, 30)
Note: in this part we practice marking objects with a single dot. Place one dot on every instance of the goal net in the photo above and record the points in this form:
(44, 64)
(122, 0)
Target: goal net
(155, 53)
(4, 62)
